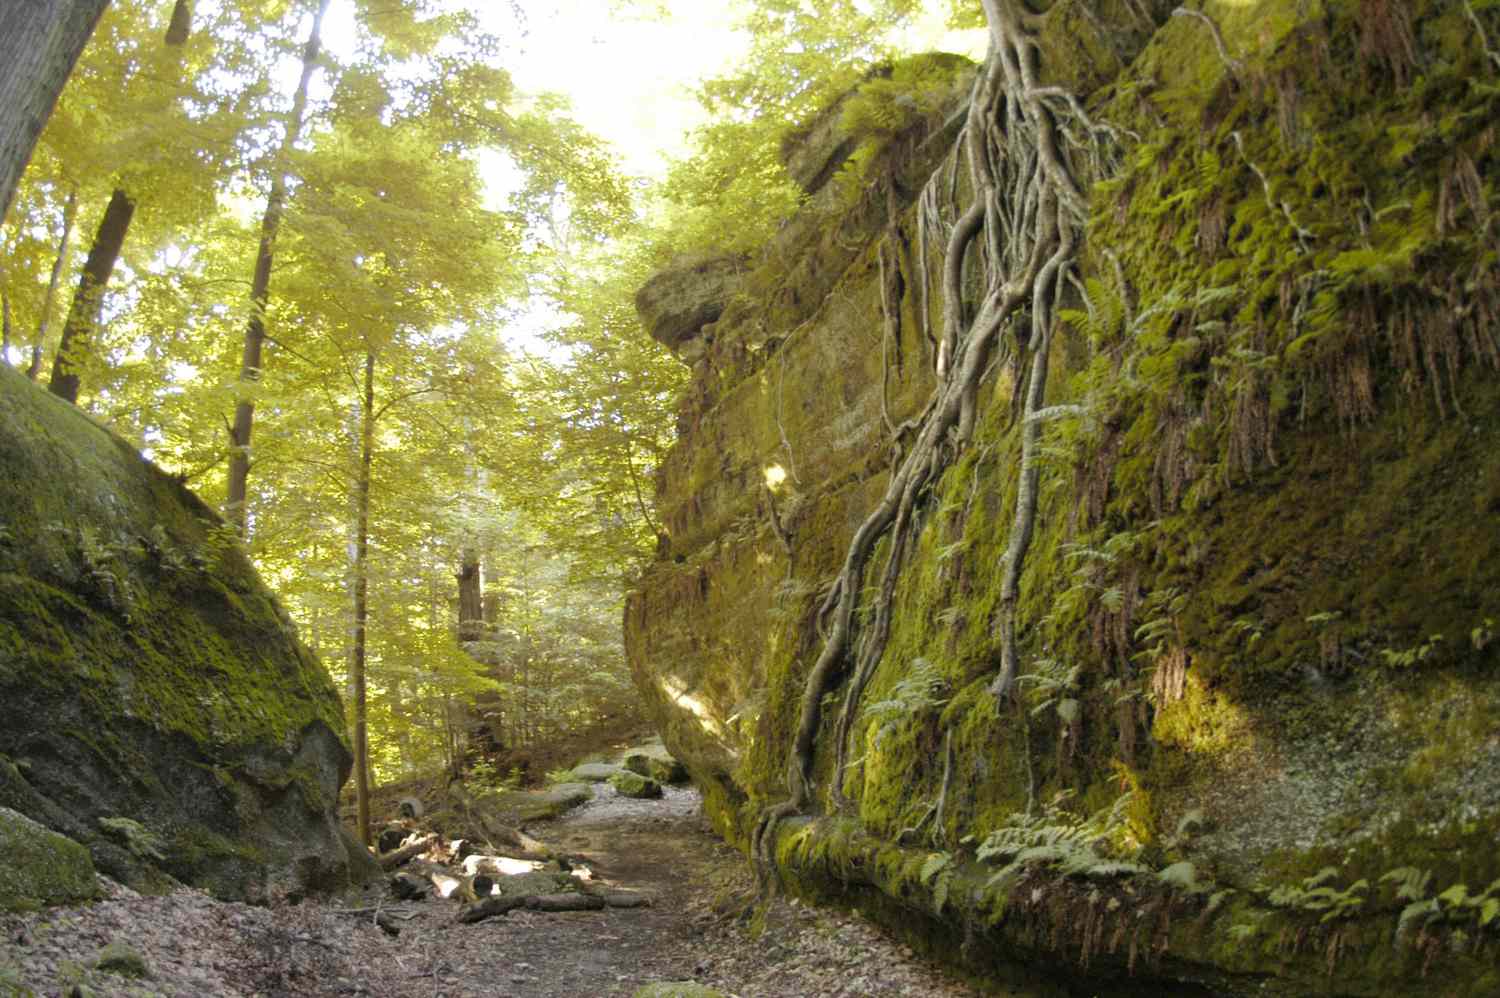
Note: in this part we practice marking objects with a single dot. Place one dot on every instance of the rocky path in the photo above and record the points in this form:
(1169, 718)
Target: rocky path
(186, 944)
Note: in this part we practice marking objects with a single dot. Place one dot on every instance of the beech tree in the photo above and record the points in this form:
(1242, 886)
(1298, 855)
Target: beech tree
(146, 132)
(83, 317)
(260, 286)
(39, 43)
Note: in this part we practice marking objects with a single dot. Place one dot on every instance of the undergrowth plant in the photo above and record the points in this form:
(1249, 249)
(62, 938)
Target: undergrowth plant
(1060, 840)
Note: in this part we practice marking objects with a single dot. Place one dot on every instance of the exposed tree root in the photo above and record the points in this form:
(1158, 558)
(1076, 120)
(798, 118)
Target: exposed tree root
(1484, 39)
(1235, 67)
(1005, 266)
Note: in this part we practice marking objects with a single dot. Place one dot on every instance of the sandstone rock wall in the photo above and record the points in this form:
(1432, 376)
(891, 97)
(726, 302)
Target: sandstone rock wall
(1254, 743)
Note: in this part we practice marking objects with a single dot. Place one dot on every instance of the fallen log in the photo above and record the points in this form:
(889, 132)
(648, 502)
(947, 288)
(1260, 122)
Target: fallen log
(448, 883)
(489, 907)
(567, 901)
(521, 845)
(498, 866)
(518, 843)
(625, 899)
(391, 860)
(408, 887)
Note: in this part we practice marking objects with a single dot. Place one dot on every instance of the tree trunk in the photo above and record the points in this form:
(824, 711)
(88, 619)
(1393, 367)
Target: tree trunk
(394, 859)
(470, 598)
(362, 604)
(260, 288)
(39, 42)
(181, 25)
(38, 349)
(4, 328)
(78, 338)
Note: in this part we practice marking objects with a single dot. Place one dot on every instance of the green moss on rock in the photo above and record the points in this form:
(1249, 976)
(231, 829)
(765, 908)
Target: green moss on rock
(147, 674)
(656, 762)
(1258, 616)
(676, 989)
(119, 958)
(594, 772)
(540, 805)
(40, 866)
(629, 784)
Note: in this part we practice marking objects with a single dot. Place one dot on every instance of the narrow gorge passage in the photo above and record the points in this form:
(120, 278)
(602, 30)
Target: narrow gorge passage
(697, 928)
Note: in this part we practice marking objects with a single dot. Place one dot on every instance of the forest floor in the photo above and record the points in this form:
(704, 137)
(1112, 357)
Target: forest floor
(694, 930)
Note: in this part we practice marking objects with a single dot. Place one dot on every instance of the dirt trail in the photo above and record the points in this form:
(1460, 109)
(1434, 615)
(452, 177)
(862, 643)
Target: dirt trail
(196, 947)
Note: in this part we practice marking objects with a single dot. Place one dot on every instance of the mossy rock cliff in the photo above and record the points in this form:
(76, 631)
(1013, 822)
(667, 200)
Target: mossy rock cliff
(155, 703)
(1253, 745)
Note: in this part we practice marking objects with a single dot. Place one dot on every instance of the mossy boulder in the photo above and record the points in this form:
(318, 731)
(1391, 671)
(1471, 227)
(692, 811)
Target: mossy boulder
(41, 867)
(147, 674)
(118, 958)
(656, 762)
(594, 772)
(629, 784)
(541, 805)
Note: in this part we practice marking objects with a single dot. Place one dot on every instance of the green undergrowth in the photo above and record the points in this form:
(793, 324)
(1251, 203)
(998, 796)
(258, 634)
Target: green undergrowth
(1049, 885)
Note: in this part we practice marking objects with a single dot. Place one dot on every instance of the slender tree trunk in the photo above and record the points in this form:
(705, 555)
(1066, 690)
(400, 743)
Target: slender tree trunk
(470, 598)
(260, 288)
(362, 604)
(83, 317)
(79, 331)
(38, 349)
(181, 25)
(39, 42)
(490, 599)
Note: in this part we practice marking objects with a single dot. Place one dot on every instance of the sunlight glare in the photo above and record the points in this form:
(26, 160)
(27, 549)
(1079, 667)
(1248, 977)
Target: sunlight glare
(674, 688)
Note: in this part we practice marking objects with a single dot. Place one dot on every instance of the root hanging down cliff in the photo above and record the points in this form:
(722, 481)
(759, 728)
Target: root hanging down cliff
(1017, 164)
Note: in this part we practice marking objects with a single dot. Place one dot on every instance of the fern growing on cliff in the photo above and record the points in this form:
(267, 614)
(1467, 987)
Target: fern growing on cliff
(923, 688)
(1058, 839)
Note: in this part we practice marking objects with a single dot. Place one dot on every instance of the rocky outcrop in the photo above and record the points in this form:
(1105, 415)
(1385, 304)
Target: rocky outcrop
(813, 153)
(1252, 746)
(680, 300)
(155, 703)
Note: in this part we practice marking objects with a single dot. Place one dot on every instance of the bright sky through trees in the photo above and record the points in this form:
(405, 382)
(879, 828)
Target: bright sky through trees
(630, 67)
(628, 73)
(631, 74)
